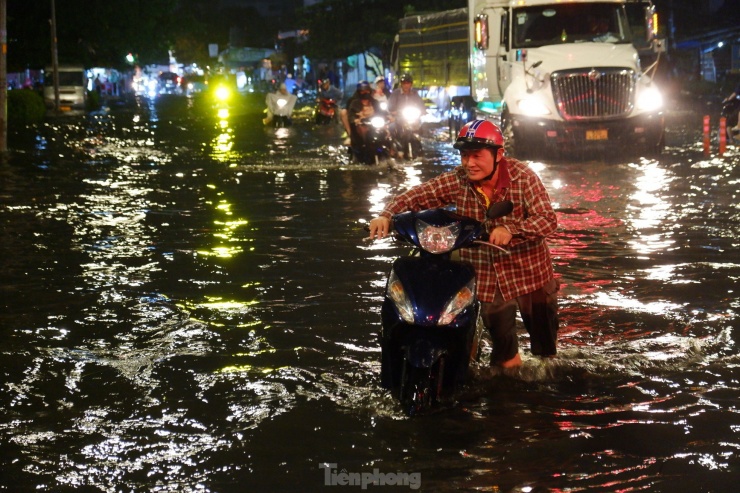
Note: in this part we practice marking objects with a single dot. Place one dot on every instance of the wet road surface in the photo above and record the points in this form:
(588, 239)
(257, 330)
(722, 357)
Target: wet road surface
(188, 305)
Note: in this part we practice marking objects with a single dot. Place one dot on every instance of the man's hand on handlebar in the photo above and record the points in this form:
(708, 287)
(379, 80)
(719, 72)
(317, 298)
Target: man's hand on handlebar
(500, 236)
(379, 227)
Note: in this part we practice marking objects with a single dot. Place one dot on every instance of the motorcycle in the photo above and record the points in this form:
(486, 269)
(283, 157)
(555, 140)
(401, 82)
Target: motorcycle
(408, 128)
(730, 113)
(374, 141)
(430, 331)
(280, 110)
(222, 97)
(326, 111)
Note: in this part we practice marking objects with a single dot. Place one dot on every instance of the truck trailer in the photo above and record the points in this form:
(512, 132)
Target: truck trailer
(434, 49)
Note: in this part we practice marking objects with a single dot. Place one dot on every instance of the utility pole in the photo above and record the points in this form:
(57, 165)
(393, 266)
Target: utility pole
(54, 59)
(3, 79)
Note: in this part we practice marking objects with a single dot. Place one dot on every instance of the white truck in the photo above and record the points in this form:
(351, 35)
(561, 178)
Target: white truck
(563, 76)
(72, 82)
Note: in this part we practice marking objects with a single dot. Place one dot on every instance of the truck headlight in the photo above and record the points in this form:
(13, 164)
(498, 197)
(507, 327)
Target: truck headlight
(533, 106)
(650, 99)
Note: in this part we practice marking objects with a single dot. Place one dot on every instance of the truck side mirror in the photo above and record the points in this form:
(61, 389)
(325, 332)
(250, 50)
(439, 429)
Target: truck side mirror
(651, 24)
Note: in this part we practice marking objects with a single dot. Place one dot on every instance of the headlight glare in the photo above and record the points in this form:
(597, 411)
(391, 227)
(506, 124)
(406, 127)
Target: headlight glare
(411, 114)
(532, 106)
(377, 121)
(462, 299)
(650, 99)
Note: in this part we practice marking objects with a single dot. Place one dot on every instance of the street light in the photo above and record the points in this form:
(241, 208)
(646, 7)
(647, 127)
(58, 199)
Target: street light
(54, 59)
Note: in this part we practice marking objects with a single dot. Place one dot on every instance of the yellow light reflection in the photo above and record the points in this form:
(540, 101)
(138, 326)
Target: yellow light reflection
(227, 305)
(221, 251)
(222, 144)
(225, 233)
(246, 368)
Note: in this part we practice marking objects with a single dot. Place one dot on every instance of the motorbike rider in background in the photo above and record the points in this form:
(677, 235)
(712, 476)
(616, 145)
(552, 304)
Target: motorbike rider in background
(403, 96)
(523, 278)
(381, 92)
(344, 113)
(362, 106)
(328, 91)
(279, 103)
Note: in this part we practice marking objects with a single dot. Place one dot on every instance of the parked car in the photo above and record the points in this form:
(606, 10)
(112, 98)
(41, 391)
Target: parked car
(169, 83)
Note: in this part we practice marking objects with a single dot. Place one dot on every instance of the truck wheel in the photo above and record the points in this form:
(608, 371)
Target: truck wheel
(657, 149)
(455, 126)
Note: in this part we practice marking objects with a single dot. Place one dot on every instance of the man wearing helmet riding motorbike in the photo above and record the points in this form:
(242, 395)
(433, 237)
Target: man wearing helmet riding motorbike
(362, 106)
(362, 86)
(327, 91)
(405, 95)
(522, 277)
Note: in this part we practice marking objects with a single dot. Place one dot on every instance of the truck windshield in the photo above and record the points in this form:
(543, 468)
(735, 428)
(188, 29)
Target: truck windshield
(570, 23)
(65, 78)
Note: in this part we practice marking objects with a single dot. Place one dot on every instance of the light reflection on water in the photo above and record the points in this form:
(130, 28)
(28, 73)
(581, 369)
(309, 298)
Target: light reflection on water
(180, 316)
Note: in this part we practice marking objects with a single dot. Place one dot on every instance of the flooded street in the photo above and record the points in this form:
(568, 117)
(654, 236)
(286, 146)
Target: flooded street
(188, 305)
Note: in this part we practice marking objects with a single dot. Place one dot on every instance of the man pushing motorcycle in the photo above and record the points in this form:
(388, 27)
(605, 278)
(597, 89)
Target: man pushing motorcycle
(521, 277)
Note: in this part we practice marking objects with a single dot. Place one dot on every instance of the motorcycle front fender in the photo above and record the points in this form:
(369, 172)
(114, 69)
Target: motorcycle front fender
(423, 354)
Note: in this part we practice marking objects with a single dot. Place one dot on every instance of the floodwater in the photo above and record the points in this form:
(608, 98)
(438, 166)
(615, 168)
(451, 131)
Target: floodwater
(188, 306)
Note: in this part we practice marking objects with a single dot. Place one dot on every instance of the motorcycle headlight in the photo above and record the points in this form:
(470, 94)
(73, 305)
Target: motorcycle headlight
(222, 93)
(462, 299)
(398, 295)
(650, 99)
(377, 121)
(411, 113)
(282, 102)
(437, 239)
(384, 106)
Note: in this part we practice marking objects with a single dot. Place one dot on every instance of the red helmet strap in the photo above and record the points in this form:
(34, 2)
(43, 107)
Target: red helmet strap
(495, 164)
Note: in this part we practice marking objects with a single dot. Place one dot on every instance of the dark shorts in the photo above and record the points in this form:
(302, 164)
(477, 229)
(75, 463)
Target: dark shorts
(539, 310)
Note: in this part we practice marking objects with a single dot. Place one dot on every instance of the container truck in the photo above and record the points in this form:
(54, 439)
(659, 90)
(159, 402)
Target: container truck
(434, 49)
(563, 76)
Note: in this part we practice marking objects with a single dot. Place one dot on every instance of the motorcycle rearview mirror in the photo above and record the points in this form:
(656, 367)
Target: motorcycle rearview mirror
(500, 209)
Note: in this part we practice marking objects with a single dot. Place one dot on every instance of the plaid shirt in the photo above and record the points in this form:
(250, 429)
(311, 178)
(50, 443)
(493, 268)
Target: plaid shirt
(529, 265)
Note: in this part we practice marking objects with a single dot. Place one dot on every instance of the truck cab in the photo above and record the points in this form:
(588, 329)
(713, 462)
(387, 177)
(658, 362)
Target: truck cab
(562, 77)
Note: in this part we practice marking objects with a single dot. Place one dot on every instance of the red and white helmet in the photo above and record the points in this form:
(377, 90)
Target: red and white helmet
(478, 134)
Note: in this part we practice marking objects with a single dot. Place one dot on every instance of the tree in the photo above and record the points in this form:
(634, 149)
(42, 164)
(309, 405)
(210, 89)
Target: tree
(339, 28)
(90, 32)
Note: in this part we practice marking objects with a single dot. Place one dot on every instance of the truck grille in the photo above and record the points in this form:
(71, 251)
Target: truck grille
(593, 94)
